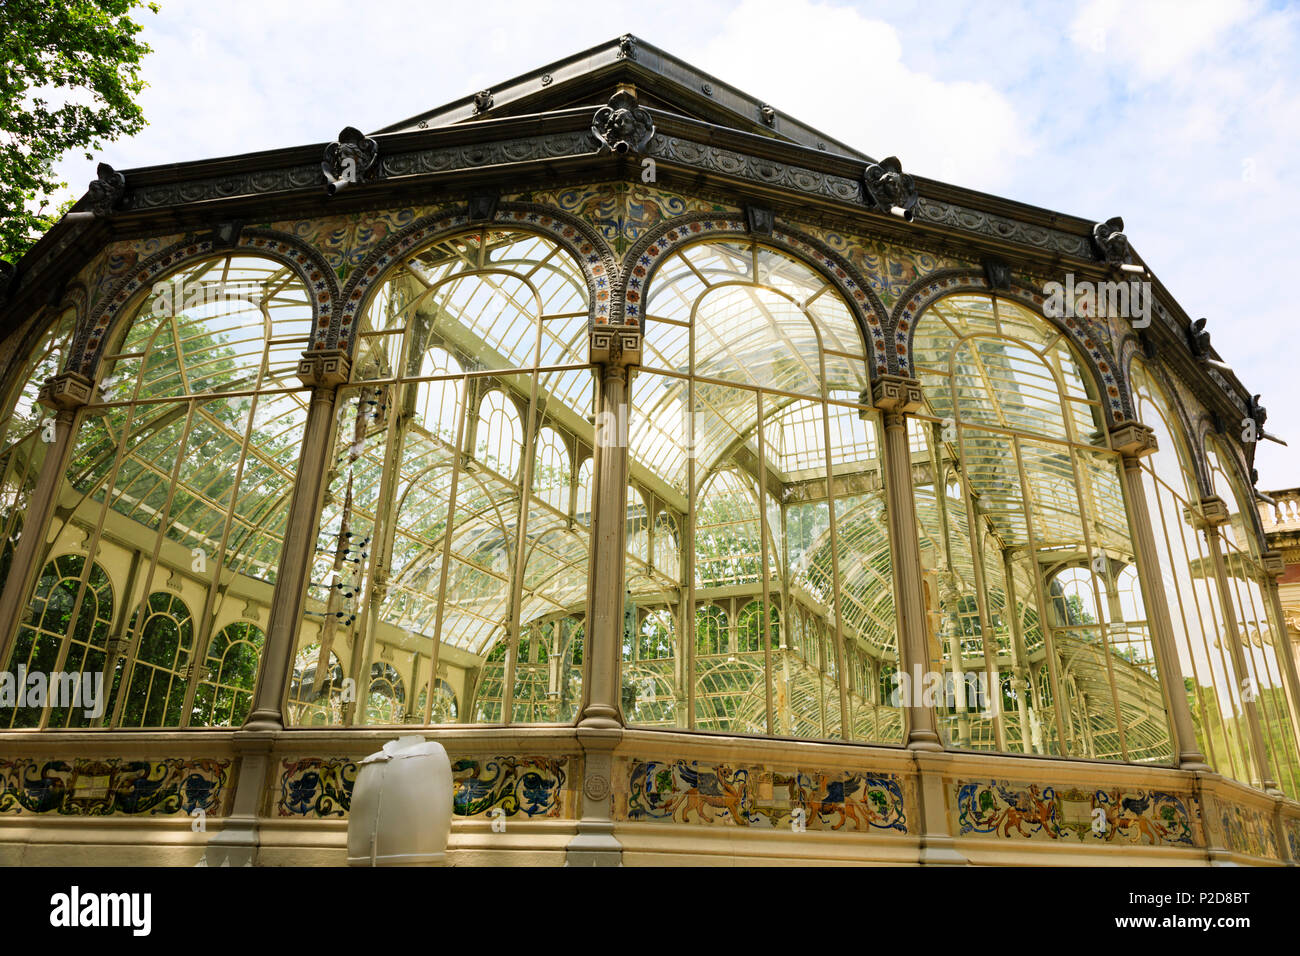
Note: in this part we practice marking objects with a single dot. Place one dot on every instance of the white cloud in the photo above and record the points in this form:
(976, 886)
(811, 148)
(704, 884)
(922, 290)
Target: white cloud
(1155, 38)
(848, 75)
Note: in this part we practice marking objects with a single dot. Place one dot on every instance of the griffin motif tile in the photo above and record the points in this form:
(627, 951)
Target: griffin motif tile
(999, 808)
(683, 791)
(1247, 830)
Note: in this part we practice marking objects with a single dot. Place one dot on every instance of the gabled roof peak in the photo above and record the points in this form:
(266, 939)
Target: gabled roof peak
(663, 82)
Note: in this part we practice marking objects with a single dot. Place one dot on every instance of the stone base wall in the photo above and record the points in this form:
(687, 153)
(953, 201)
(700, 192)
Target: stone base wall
(522, 796)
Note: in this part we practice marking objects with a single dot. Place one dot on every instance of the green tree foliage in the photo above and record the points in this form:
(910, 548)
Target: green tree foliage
(82, 54)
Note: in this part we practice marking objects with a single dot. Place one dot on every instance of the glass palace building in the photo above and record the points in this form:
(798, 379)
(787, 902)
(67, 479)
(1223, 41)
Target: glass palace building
(713, 491)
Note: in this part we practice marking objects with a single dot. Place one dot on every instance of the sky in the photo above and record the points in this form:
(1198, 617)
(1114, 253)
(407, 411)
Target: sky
(1182, 116)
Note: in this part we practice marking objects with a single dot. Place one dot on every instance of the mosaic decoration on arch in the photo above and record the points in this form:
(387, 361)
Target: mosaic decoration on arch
(1086, 335)
(889, 268)
(691, 791)
(345, 241)
(999, 808)
(117, 259)
(646, 260)
(625, 211)
(1247, 830)
(531, 786)
(96, 788)
(423, 230)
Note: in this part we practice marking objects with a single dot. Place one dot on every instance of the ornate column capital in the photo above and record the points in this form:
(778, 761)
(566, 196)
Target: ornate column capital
(1132, 439)
(895, 393)
(324, 368)
(1273, 562)
(1214, 511)
(616, 344)
(67, 390)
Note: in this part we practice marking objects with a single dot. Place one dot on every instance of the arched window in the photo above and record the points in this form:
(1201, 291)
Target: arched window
(317, 688)
(73, 597)
(583, 503)
(447, 528)
(1022, 522)
(387, 695)
(184, 462)
(26, 429)
(225, 694)
(445, 707)
(1263, 637)
(500, 434)
(551, 474)
(1210, 673)
(748, 428)
(710, 631)
(667, 549)
(162, 632)
(638, 529)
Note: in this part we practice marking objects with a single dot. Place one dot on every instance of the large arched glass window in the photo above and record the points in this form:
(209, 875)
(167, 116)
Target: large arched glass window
(69, 585)
(154, 677)
(448, 546)
(1261, 633)
(757, 460)
(181, 472)
(1025, 541)
(26, 431)
(1210, 679)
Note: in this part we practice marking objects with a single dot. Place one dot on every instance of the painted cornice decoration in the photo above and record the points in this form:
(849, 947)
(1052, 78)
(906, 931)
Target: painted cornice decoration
(623, 126)
(965, 219)
(662, 147)
(755, 169)
(891, 190)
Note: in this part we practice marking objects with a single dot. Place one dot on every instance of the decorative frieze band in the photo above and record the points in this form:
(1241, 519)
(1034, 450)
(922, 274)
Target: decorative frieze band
(663, 147)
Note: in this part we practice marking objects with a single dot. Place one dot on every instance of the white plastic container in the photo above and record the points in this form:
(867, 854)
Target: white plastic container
(401, 806)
